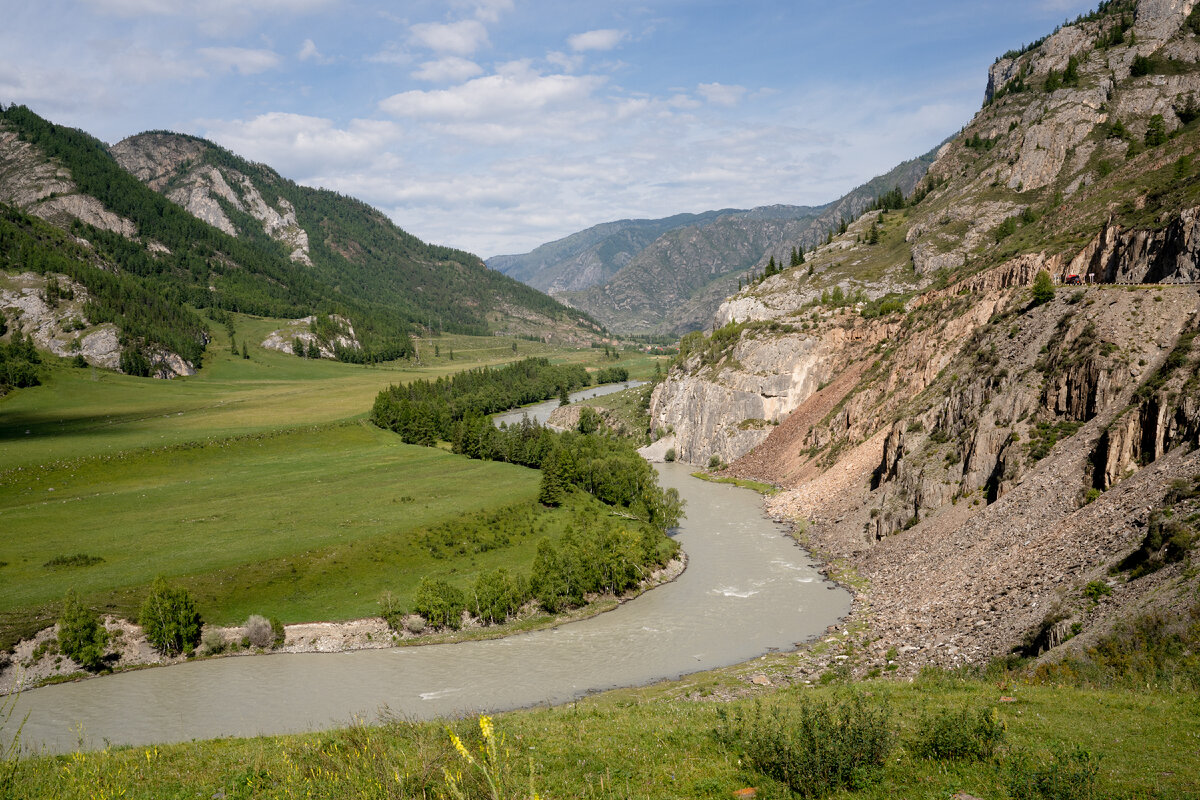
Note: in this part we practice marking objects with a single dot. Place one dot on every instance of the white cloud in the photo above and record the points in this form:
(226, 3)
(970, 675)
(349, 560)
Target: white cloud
(299, 145)
(447, 70)
(605, 39)
(490, 10)
(721, 95)
(564, 62)
(309, 52)
(514, 91)
(242, 59)
(203, 8)
(460, 38)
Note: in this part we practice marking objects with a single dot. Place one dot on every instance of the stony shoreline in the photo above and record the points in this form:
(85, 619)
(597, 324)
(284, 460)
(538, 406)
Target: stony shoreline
(36, 662)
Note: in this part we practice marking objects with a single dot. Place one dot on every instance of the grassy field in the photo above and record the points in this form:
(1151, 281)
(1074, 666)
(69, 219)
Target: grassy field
(255, 483)
(643, 743)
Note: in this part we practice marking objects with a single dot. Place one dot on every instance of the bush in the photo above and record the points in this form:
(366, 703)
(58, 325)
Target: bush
(714, 461)
(815, 748)
(1069, 776)
(392, 612)
(258, 633)
(169, 619)
(278, 633)
(81, 635)
(1043, 288)
(962, 735)
(1095, 590)
(440, 603)
(213, 642)
(669, 455)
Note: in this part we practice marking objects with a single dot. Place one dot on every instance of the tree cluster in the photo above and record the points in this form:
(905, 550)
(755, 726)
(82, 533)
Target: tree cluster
(597, 554)
(19, 361)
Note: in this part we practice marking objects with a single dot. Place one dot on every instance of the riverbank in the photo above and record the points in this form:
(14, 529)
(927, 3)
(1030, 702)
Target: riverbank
(36, 661)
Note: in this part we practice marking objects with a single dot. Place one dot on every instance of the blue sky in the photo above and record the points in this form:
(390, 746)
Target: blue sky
(497, 125)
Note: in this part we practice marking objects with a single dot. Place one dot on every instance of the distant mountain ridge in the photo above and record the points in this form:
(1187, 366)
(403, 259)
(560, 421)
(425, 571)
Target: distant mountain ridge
(668, 276)
(594, 255)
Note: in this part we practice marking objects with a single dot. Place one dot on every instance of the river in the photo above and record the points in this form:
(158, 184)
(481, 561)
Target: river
(540, 412)
(748, 590)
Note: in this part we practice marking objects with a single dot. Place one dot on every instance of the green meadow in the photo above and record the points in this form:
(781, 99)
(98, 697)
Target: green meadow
(256, 483)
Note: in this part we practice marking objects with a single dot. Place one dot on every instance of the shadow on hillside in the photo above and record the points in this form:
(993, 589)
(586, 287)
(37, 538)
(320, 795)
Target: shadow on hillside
(29, 424)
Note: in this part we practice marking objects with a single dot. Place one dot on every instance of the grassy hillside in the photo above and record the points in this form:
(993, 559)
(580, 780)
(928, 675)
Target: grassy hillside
(252, 483)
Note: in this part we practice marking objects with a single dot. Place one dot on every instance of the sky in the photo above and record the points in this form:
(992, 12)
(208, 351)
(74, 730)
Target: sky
(498, 125)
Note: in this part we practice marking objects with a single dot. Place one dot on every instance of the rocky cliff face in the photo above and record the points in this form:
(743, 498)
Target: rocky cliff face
(976, 452)
(176, 166)
(35, 185)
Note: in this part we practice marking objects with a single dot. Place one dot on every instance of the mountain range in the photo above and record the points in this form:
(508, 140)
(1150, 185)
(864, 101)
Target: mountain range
(667, 276)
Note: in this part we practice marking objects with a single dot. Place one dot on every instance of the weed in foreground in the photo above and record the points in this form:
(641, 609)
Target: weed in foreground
(1066, 776)
(489, 766)
(815, 748)
(10, 746)
(962, 735)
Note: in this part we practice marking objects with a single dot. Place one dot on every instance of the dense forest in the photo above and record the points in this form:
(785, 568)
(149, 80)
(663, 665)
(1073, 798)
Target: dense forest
(148, 315)
(455, 409)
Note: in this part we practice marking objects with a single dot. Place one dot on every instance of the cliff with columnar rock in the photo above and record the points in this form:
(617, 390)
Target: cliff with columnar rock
(985, 396)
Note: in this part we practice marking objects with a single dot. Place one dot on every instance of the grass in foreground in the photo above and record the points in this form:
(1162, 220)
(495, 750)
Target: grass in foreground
(626, 744)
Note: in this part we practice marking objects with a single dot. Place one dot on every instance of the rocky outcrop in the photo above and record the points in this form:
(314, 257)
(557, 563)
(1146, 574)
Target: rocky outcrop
(339, 336)
(59, 324)
(35, 185)
(1169, 255)
(176, 165)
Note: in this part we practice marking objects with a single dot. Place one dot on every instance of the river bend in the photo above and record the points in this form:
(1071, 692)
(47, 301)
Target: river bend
(748, 590)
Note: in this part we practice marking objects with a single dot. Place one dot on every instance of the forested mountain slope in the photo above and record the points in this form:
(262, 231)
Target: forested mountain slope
(1007, 463)
(591, 256)
(254, 243)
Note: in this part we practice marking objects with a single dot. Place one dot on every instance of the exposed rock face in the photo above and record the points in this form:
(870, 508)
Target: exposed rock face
(955, 439)
(31, 183)
(176, 166)
(302, 329)
(1170, 255)
(59, 326)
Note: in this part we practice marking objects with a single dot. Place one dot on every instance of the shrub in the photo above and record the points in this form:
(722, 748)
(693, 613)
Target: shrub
(77, 560)
(257, 632)
(278, 633)
(169, 618)
(815, 748)
(392, 612)
(714, 461)
(962, 735)
(81, 635)
(1043, 288)
(439, 603)
(669, 455)
(1095, 590)
(1067, 776)
(213, 642)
